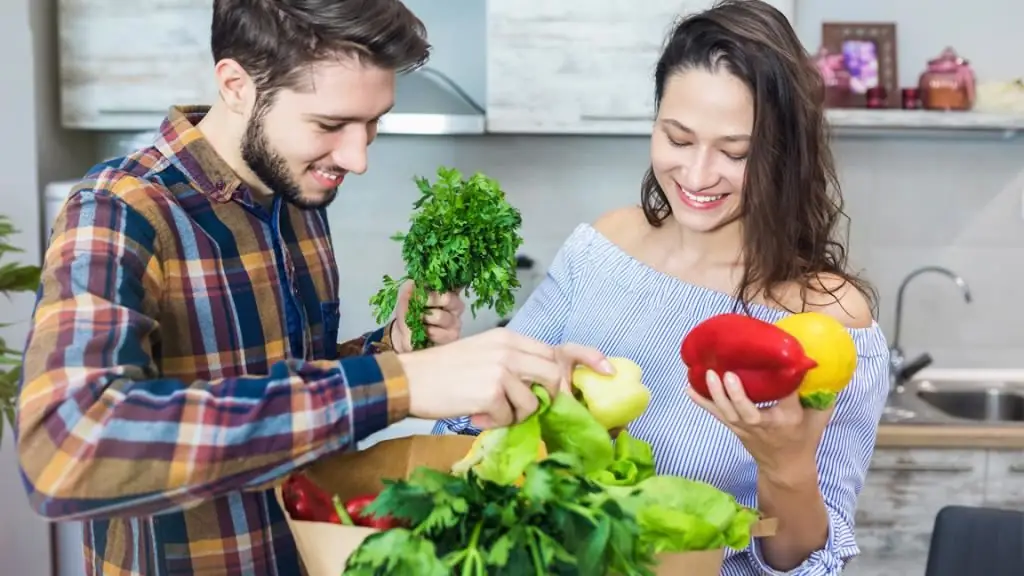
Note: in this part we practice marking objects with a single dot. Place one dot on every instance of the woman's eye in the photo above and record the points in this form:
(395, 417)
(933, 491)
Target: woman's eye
(329, 127)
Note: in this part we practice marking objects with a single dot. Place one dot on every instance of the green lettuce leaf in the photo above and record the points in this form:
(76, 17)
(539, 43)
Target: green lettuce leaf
(502, 455)
(677, 514)
(567, 426)
(633, 462)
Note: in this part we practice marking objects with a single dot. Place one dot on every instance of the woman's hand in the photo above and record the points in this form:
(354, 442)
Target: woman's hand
(782, 438)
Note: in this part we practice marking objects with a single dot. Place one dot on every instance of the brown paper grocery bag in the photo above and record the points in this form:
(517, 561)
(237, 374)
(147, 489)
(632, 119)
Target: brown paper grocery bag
(707, 562)
(324, 548)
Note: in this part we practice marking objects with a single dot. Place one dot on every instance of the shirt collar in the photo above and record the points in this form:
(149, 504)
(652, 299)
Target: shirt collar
(185, 146)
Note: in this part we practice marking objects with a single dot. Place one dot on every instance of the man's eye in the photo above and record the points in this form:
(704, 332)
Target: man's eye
(329, 127)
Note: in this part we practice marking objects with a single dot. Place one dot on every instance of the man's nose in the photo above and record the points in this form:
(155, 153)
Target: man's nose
(351, 151)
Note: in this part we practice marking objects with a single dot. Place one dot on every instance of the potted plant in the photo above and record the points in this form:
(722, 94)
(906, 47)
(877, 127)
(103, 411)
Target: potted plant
(14, 278)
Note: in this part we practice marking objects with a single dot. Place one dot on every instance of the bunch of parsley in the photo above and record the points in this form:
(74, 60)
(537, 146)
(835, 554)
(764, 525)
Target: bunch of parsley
(463, 237)
(557, 523)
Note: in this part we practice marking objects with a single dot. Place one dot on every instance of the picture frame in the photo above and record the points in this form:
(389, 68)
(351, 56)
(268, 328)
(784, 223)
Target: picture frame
(870, 56)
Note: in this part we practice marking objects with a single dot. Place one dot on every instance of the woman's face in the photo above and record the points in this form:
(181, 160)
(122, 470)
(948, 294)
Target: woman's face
(700, 144)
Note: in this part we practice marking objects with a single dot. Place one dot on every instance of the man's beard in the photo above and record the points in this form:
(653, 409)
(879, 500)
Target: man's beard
(272, 169)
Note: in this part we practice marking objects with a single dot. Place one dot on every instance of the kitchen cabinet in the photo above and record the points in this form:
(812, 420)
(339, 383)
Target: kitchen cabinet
(1004, 483)
(905, 488)
(578, 67)
(122, 65)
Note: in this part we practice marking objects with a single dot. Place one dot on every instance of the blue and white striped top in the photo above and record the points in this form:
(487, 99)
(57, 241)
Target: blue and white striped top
(597, 295)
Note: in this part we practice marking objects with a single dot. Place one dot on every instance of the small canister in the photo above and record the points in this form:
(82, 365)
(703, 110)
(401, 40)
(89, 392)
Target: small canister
(911, 99)
(875, 97)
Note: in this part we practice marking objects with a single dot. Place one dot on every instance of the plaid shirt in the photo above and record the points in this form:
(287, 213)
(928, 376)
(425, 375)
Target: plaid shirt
(183, 358)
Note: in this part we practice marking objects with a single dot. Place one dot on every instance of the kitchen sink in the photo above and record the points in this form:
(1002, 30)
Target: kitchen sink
(988, 405)
(957, 402)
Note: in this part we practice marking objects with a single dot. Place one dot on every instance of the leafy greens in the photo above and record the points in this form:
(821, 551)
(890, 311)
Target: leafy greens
(463, 237)
(674, 514)
(558, 522)
(677, 514)
(594, 506)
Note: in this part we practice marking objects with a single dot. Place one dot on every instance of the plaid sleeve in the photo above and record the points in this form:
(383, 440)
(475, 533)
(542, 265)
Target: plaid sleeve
(100, 433)
(373, 342)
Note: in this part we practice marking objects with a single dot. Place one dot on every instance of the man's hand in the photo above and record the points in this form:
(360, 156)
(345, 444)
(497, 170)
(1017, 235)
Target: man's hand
(571, 355)
(487, 376)
(443, 319)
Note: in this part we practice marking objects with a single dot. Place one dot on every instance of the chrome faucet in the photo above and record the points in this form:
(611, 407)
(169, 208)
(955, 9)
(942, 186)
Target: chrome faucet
(900, 370)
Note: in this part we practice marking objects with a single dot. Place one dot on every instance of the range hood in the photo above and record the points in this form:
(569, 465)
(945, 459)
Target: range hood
(428, 102)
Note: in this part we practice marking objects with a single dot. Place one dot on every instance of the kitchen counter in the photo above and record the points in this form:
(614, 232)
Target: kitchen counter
(981, 436)
(980, 374)
(950, 436)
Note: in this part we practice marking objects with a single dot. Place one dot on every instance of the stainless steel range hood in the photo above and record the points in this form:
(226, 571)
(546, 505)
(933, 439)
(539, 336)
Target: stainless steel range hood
(428, 102)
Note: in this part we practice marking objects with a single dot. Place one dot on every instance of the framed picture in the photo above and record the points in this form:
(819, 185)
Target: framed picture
(869, 56)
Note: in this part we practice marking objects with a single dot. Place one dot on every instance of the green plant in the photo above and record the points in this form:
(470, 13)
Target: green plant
(14, 278)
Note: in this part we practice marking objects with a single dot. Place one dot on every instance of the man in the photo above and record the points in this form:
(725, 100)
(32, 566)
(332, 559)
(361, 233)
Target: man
(183, 355)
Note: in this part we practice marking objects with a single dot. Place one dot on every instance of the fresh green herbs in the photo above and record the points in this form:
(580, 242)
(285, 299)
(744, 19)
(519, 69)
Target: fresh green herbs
(557, 522)
(463, 237)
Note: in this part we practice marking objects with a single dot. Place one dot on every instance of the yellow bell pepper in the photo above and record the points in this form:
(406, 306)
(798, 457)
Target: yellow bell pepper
(826, 341)
(614, 400)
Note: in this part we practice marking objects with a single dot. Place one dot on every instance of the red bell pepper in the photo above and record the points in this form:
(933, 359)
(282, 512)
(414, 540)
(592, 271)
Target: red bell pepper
(304, 500)
(355, 510)
(768, 361)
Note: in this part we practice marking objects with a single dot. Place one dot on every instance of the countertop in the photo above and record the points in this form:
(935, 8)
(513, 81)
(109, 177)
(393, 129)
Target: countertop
(951, 436)
(1007, 436)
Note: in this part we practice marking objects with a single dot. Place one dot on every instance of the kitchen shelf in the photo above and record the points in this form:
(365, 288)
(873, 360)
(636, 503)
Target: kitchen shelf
(845, 123)
(923, 123)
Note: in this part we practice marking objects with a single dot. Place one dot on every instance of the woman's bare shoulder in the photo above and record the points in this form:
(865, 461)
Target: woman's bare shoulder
(626, 227)
(833, 295)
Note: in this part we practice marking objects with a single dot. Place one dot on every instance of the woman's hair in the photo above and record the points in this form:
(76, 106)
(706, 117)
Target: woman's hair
(791, 202)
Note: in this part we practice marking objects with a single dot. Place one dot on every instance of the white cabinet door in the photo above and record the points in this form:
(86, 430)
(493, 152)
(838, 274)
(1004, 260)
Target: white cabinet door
(904, 490)
(578, 67)
(1004, 485)
(123, 63)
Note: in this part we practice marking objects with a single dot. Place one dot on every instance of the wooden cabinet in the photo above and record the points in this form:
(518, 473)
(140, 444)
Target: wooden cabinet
(122, 63)
(903, 491)
(576, 67)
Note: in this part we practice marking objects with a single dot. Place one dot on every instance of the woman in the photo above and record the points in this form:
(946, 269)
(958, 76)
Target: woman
(740, 210)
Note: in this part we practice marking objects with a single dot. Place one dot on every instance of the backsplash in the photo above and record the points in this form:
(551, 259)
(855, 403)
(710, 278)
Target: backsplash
(911, 203)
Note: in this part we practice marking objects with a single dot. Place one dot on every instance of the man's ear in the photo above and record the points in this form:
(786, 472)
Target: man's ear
(235, 86)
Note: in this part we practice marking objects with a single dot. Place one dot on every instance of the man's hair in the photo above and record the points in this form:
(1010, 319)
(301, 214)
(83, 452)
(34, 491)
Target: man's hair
(277, 41)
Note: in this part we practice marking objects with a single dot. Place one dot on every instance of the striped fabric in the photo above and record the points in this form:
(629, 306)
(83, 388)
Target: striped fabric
(183, 357)
(597, 295)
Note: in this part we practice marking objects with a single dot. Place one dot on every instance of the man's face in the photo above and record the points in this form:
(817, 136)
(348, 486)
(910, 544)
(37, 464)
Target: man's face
(303, 142)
